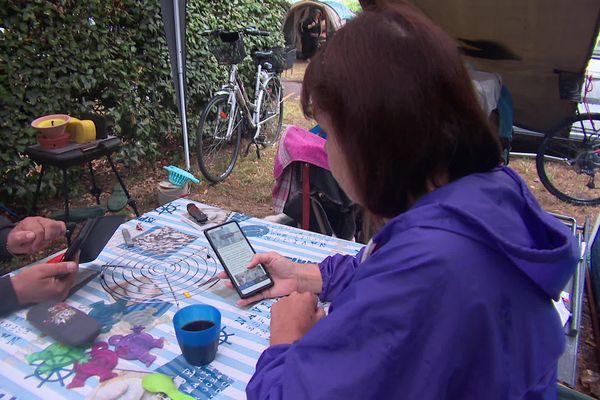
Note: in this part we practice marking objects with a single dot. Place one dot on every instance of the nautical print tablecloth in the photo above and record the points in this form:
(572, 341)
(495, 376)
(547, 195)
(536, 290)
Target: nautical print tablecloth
(165, 239)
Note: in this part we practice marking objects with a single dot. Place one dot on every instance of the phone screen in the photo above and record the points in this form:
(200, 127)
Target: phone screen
(235, 252)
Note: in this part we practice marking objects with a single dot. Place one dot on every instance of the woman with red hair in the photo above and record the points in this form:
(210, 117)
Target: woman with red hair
(452, 297)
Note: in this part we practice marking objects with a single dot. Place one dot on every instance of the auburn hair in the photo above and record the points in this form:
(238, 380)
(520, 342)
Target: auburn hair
(402, 105)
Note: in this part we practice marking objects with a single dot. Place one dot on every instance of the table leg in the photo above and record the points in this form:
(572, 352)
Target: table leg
(130, 200)
(95, 190)
(37, 190)
(306, 196)
(66, 195)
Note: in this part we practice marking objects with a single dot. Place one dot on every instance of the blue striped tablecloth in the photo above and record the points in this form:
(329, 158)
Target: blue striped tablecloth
(34, 367)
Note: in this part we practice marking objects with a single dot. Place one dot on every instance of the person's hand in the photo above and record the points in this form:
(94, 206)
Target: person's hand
(293, 316)
(283, 271)
(44, 282)
(33, 234)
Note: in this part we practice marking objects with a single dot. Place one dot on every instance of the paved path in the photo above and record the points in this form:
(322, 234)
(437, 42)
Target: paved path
(291, 89)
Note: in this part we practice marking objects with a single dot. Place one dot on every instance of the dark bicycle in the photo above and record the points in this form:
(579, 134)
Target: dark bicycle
(572, 152)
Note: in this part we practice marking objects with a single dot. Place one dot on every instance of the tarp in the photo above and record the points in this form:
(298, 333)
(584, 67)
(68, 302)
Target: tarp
(527, 42)
(344, 12)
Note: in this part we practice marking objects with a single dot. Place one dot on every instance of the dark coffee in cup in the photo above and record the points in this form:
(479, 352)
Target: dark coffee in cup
(196, 326)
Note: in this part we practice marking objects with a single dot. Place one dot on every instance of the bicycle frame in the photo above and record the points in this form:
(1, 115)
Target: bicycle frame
(231, 111)
(239, 98)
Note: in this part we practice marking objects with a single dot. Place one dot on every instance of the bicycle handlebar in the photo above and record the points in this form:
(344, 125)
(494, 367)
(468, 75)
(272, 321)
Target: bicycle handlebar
(256, 32)
(246, 31)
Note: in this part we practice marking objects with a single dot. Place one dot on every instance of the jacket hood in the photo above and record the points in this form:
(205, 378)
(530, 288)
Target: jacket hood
(497, 209)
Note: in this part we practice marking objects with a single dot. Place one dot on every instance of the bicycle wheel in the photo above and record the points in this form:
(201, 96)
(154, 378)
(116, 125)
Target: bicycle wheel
(272, 113)
(217, 151)
(567, 165)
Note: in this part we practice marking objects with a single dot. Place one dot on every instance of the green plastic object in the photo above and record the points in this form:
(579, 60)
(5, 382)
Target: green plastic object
(179, 177)
(161, 383)
(118, 199)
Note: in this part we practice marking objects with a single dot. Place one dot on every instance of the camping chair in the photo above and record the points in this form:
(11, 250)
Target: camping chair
(306, 191)
(590, 256)
(594, 264)
(320, 205)
(573, 292)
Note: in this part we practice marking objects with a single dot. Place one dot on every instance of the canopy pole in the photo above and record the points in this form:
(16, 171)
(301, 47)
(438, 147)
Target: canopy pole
(182, 109)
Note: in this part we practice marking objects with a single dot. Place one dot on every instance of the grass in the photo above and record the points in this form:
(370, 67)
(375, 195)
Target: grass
(293, 115)
(297, 72)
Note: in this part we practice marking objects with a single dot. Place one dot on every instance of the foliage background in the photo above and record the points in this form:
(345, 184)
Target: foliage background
(354, 5)
(109, 57)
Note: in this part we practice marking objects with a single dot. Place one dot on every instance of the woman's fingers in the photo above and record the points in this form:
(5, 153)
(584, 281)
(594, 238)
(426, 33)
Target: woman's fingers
(263, 258)
(223, 275)
(250, 300)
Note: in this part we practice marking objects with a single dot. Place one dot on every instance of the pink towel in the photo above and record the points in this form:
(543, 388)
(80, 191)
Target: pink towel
(296, 144)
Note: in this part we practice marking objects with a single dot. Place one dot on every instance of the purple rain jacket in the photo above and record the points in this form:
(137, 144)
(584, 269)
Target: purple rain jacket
(453, 303)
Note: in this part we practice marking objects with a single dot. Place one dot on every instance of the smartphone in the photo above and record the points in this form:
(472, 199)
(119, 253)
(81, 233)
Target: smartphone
(92, 238)
(75, 248)
(235, 252)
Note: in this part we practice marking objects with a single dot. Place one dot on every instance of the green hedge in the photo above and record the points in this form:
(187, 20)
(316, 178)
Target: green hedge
(108, 57)
(354, 5)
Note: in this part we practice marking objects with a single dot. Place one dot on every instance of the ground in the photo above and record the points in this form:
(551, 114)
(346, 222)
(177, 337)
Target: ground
(248, 190)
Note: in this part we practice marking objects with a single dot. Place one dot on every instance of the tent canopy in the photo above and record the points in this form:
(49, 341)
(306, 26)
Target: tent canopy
(344, 12)
(335, 14)
(534, 45)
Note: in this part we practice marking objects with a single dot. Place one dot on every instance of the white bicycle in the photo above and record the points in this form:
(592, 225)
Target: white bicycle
(230, 113)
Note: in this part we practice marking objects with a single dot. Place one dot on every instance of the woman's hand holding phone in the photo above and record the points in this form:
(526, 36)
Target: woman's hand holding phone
(287, 275)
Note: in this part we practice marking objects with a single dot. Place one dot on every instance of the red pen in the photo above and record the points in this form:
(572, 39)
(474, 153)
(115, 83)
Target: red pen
(56, 259)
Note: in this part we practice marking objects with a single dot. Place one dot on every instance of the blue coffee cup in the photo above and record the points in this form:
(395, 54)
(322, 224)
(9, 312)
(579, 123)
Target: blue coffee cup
(197, 328)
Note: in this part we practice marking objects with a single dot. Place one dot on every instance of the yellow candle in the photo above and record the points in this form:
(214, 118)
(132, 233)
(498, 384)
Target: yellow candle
(50, 122)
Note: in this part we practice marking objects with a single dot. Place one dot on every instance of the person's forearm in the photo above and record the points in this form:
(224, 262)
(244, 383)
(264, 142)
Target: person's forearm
(309, 278)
